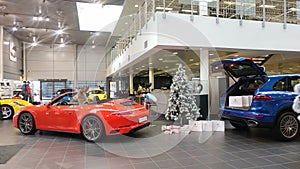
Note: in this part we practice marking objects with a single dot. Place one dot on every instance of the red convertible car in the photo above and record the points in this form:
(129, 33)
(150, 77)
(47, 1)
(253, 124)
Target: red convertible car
(92, 120)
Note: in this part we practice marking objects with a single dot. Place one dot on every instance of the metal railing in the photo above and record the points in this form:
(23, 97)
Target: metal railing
(282, 11)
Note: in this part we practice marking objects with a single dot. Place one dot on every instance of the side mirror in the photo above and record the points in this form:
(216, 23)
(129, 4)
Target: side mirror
(48, 104)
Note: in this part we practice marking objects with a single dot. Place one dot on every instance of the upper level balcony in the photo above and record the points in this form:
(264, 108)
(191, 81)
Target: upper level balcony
(213, 18)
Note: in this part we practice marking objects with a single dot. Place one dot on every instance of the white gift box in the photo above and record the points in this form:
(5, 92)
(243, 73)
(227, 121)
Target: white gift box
(235, 101)
(207, 126)
(196, 125)
(218, 125)
(247, 100)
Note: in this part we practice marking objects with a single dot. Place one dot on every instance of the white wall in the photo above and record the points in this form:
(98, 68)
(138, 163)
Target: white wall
(136, 50)
(53, 62)
(205, 32)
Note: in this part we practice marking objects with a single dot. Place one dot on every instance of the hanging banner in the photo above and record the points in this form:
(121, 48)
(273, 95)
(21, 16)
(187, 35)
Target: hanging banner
(12, 52)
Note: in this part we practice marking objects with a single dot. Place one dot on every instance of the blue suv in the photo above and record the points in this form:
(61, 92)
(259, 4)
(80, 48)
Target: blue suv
(259, 100)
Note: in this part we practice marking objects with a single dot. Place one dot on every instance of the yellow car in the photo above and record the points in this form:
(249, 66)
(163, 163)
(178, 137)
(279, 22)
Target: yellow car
(11, 106)
(96, 93)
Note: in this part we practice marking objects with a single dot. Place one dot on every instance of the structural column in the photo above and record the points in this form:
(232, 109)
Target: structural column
(203, 7)
(130, 83)
(204, 79)
(1, 52)
(24, 62)
(151, 78)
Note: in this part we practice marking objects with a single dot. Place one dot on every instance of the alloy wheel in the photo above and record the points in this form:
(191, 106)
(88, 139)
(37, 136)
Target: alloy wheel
(7, 112)
(26, 123)
(289, 126)
(92, 128)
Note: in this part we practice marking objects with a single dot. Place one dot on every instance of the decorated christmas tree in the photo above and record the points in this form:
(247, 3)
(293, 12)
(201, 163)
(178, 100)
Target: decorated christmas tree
(182, 104)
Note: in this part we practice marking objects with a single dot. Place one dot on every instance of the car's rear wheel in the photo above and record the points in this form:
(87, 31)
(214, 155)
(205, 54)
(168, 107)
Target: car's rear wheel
(26, 124)
(92, 128)
(287, 126)
(238, 126)
(7, 112)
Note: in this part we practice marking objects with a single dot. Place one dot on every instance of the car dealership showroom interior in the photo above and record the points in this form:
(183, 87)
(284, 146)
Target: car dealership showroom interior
(146, 84)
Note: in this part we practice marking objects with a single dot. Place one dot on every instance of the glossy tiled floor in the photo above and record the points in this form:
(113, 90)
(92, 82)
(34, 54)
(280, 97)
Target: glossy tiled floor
(149, 149)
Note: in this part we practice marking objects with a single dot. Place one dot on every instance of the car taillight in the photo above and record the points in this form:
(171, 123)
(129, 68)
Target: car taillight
(124, 113)
(262, 97)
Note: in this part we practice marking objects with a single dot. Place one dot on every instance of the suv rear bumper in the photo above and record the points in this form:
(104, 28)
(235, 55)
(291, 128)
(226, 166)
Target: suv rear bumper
(246, 121)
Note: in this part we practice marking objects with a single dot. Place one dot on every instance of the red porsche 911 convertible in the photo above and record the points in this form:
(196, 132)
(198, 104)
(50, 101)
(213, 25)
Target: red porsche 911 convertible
(92, 120)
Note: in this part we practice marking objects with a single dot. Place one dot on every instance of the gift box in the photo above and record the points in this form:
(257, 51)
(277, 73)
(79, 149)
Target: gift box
(235, 101)
(218, 125)
(247, 100)
(207, 126)
(196, 125)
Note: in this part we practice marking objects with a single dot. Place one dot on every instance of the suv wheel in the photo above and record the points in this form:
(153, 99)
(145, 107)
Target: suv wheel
(238, 126)
(287, 126)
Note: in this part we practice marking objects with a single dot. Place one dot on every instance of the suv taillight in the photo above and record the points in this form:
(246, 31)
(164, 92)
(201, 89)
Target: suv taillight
(262, 97)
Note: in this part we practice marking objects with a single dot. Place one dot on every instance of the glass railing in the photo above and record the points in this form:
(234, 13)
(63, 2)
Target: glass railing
(281, 11)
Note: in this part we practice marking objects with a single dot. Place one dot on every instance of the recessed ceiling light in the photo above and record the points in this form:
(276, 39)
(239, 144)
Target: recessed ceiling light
(93, 46)
(143, 66)
(47, 19)
(160, 59)
(175, 53)
(150, 63)
(166, 67)
(62, 45)
(136, 5)
(191, 60)
(267, 6)
(211, 54)
(40, 18)
(34, 44)
(126, 23)
(59, 32)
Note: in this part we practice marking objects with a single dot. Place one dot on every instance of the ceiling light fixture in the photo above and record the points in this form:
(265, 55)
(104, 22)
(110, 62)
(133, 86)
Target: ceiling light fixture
(267, 6)
(59, 32)
(295, 9)
(6, 42)
(161, 8)
(14, 28)
(136, 5)
(62, 45)
(34, 44)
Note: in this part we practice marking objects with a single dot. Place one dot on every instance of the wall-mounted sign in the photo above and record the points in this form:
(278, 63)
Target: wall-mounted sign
(12, 52)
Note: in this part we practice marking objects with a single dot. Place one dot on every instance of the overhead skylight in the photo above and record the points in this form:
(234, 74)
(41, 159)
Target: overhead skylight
(98, 17)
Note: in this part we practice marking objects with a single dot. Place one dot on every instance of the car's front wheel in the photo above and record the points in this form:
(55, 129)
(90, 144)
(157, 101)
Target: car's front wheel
(26, 124)
(287, 126)
(92, 128)
(7, 112)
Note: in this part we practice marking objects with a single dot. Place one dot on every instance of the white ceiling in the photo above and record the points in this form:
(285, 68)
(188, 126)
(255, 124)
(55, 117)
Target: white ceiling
(22, 12)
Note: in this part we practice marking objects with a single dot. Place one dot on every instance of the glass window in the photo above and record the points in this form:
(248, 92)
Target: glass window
(294, 80)
(280, 85)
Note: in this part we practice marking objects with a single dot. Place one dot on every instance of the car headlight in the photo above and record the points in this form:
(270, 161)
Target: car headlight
(19, 104)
